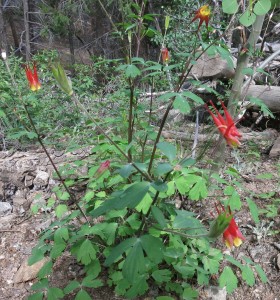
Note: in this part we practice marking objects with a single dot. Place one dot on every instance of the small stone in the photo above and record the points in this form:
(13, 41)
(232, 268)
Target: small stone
(26, 273)
(5, 208)
(275, 150)
(41, 179)
(216, 293)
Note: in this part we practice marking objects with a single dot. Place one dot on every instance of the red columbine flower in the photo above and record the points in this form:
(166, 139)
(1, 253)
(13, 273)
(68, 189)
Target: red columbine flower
(165, 55)
(232, 235)
(226, 224)
(32, 77)
(225, 125)
(203, 14)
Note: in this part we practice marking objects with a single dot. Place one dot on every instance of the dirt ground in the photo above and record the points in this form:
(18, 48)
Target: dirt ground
(19, 234)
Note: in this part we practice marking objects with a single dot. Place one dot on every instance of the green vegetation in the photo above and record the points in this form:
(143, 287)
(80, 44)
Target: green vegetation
(131, 227)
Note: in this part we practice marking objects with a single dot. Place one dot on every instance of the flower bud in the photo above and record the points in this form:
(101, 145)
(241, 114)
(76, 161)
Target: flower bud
(63, 81)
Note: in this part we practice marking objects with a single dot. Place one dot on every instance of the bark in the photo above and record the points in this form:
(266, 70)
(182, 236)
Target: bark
(3, 30)
(13, 29)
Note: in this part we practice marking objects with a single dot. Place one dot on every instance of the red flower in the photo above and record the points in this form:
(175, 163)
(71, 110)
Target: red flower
(231, 235)
(225, 125)
(102, 168)
(32, 77)
(165, 55)
(203, 14)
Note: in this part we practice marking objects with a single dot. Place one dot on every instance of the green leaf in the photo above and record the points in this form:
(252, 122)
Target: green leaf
(128, 198)
(211, 264)
(159, 186)
(55, 293)
(134, 264)
(261, 273)
(159, 216)
(89, 196)
(167, 96)
(193, 96)
(145, 204)
(181, 185)
(57, 250)
(230, 6)
(132, 71)
(60, 210)
(91, 282)
(37, 254)
(37, 296)
(126, 170)
(119, 250)
(233, 261)
(189, 293)
(83, 295)
(86, 252)
(187, 220)
(40, 285)
(202, 279)
(153, 247)
(248, 275)
(94, 268)
(61, 235)
(199, 190)
(181, 104)
(248, 18)
(262, 7)
(138, 288)
(263, 107)
(228, 279)
(225, 54)
(169, 150)
(253, 210)
(234, 201)
(45, 270)
(160, 276)
(165, 298)
(71, 286)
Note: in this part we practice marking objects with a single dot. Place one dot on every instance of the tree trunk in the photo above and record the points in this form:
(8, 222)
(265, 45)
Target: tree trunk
(32, 20)
(27, 30)
(13, 29)
(3, 30)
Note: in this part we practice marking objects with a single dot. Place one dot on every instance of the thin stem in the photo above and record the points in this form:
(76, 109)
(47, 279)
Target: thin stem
(85, 112)
(42, 144)
(130, 120)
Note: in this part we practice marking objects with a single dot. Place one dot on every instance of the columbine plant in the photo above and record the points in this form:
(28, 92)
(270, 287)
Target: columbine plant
(131, 233)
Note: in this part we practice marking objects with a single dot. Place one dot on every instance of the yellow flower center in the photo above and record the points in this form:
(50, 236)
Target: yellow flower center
(205, 11)
(237, 242)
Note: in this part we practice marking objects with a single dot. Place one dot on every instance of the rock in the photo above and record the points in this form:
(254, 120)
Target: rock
(275, 150)
(41, 179)
(26, 273)
(212, 67)
(5, 208)
(21, 205)
(216, 293)
(28, 180)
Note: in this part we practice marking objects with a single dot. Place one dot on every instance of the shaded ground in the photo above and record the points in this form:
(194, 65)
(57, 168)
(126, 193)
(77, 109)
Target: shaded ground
(262, 245)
